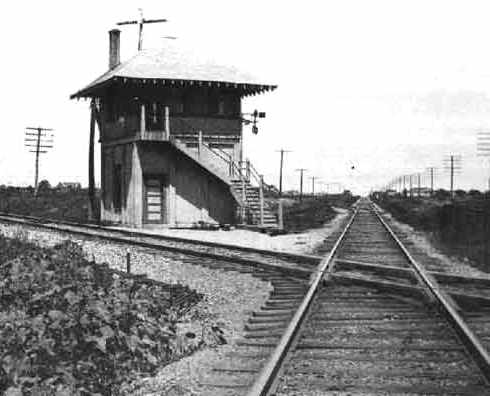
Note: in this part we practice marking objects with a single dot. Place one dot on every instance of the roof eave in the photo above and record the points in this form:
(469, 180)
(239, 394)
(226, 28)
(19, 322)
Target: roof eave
(246, 89)
(89, 91)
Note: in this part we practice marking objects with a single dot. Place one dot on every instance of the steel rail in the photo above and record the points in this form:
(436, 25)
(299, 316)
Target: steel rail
(39, 221)
(91, 233)
(268, 374)
(468, 338)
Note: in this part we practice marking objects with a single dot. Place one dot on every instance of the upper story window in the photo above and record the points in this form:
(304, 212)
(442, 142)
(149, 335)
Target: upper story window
(154, 112)
(221, 107)
(227, 106)
(109, 108)
(178, 108)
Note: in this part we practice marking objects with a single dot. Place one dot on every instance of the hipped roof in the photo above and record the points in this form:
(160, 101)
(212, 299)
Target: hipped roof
(173, 67)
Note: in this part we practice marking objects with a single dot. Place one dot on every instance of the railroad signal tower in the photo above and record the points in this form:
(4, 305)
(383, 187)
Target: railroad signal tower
(171, 138)
(38, 142)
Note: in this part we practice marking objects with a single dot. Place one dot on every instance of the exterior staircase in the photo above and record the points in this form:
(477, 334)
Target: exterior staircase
(251, 211)
(246, 185)
(203, 158)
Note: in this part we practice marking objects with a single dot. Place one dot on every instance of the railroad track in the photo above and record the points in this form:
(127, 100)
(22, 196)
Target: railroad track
(372, 301)
(296, 265)
(468, 290)
(358, 330)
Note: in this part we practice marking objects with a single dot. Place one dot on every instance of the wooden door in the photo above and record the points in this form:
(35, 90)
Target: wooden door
(154, 200)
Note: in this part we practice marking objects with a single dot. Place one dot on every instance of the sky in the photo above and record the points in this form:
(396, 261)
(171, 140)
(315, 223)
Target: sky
(367, 90)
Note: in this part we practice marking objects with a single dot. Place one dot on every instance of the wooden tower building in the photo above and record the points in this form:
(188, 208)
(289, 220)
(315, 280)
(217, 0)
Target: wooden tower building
(171, 140)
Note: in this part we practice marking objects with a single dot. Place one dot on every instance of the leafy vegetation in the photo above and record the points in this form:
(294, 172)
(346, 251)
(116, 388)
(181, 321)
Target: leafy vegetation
(313, 212)
(72, 327)
(460, 226)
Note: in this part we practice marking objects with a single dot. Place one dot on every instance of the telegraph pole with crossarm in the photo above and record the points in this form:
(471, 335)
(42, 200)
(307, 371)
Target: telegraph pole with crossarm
(40, 142)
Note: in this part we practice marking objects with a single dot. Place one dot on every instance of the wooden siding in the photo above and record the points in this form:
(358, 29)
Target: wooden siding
(192, 194)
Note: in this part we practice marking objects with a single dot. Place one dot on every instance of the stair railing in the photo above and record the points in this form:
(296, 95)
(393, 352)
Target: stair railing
(233, 168)
(243, 170)
(252, 175)
(234, 171)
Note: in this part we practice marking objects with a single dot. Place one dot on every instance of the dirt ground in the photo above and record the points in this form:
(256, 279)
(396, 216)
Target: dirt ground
(304, 242)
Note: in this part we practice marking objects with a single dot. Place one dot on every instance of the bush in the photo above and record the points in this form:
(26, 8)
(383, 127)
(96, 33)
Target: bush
(72, 327)
(44, 186)
(442, 194)
(310, 213)
(475, 193)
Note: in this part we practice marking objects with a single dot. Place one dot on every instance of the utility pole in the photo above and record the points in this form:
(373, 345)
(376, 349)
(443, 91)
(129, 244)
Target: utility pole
(452, 175)
(313, 178)
(38, 141)
(483, 148)
(140, 24)
(282, 151)
(453, 164)
(301, 170)
(431, 170)
(418, 184)
(411, 188)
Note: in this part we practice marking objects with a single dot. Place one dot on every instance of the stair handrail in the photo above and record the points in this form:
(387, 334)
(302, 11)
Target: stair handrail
(216, 151)
(233, 168)
(253, 173)
(236, 169)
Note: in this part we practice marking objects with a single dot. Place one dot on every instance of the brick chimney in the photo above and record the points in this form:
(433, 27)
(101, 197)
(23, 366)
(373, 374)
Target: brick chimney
(114, 48)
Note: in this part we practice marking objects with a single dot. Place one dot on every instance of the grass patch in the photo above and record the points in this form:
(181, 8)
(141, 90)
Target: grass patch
(459, 227)
(69, 205)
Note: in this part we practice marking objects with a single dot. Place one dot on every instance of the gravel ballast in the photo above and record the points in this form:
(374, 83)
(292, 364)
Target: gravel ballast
(230, 297)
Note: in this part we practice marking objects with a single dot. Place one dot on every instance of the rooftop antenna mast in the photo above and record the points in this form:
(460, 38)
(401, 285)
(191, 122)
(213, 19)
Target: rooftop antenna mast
(140, 24)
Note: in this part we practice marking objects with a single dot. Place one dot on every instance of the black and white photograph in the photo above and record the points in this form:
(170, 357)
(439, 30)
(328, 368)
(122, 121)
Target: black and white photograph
(245, 198)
